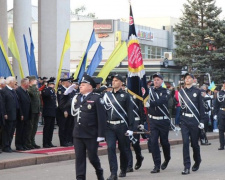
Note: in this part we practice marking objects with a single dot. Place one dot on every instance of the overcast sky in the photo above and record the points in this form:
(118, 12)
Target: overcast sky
(116, 9)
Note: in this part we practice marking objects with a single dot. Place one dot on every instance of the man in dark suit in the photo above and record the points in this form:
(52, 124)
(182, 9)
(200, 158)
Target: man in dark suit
(2, 85)
(23, 125)
(1, 115)
(89, 125)
(11, 110)
(49, 113)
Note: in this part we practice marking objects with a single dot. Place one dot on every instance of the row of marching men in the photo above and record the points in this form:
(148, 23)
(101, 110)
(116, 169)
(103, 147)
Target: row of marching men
(117, 116)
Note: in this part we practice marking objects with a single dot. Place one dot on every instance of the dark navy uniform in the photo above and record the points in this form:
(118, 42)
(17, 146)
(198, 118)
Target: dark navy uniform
(116, 129)
(219, 110)
(89, 124)
(159, 126)
(203, 137)
(49, 114)
(189, 126)
(62, 121)
(65, 106)
(140, 118)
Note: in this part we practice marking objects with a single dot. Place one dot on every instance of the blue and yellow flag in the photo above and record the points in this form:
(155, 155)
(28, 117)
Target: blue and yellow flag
(118, 54)
(15, 51)
(66, 46)
(95, 61)
(82, 65)
(212, 86)
(5, 66)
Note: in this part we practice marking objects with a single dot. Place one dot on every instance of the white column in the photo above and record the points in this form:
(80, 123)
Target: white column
(54, 20)
(21, 23)
(3, 22)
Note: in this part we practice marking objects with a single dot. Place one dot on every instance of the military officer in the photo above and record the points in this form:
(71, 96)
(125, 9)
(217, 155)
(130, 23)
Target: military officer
(89, 125)
(220, 114)
(35, 112)
(159, 122)
(63, 121)
(120, 119)
(192, 119)
(49, 113)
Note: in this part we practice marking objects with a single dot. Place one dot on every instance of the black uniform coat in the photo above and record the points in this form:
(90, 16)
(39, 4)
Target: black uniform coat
(1, 110)
(9, 107)
(92, 117)
(49, 102)
(25, 103)
(220, 103)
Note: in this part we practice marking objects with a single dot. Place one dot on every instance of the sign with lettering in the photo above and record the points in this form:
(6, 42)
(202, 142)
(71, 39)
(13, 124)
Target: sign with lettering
(145, 34)
(103, 26)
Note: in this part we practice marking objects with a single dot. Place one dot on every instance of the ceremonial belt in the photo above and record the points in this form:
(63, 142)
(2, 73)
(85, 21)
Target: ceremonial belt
(115, 122)
(187, 114)
(115, 106)
(137, 119)
(189, 104)
(157, 117)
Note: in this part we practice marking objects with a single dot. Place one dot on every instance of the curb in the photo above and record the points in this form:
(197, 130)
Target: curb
(14, 163)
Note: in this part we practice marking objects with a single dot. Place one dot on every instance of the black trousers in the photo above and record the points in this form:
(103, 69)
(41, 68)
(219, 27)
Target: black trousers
(81, 145)
(62, 123)
(48, 130)
(160, 130)
(203, 137)
(69, 128)
(7, 133)
(189, 129)
(115, 133)
(21, 132)
(1, 129)
(136, 147)
(221, 127)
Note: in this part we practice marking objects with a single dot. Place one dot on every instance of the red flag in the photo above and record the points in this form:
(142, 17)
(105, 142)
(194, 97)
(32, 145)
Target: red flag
(136, 81)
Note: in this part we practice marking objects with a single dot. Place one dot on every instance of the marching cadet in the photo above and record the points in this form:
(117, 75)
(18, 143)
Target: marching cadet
(120, 119)
(63, 122)
(220, 114)
(159, 122)
(89, 125)
(203, 137)
(192, 119)
(49, 113)
(138, 125)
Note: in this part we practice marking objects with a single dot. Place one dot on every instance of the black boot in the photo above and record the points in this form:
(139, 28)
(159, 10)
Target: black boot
(139, 162)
